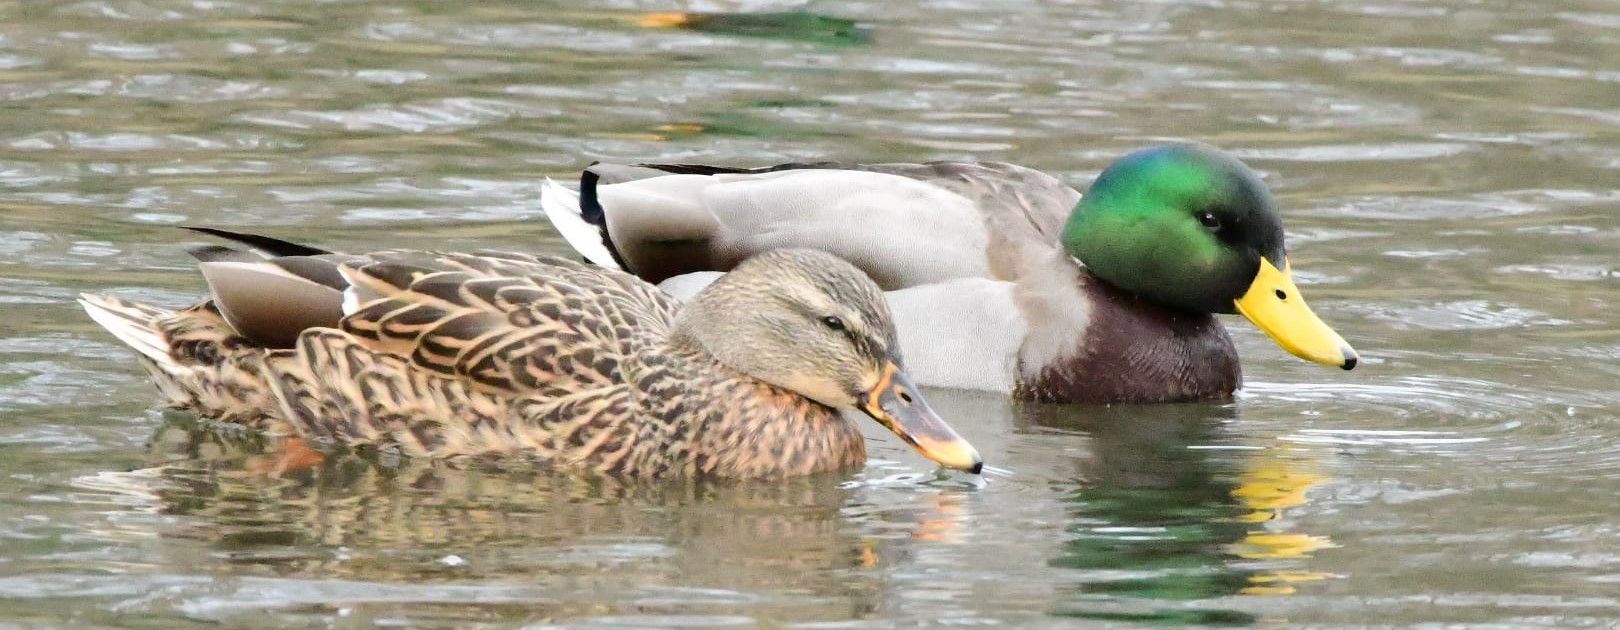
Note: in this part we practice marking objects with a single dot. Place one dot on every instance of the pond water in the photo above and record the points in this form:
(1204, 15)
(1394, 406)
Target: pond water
(1450, 173)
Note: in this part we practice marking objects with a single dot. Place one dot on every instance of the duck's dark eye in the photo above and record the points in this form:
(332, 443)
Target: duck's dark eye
(1209, 220)
(834, 322)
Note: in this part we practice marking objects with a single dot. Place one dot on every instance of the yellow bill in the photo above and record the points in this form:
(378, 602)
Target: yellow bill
(1274, 304)
(896, 403)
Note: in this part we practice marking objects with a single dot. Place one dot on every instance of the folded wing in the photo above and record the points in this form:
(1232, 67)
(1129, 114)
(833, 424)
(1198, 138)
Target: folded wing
(905, 225)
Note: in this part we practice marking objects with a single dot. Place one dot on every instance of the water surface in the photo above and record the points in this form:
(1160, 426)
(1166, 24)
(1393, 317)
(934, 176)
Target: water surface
(1448, 172)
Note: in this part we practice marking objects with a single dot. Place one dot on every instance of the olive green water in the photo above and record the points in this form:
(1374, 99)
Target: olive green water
(1449, 172)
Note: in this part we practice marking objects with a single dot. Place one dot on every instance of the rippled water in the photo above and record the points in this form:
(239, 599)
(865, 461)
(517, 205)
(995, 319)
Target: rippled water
(1449, 172)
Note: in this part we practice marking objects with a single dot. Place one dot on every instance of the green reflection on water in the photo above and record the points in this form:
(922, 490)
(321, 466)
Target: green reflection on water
(1169, 507)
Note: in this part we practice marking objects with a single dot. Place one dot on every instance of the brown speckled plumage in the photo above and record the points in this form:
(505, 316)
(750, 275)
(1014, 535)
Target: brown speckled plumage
(206, 366)
(446, 354)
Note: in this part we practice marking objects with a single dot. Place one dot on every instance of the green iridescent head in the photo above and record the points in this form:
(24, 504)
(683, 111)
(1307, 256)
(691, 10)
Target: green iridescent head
(1182, 225)
(1189, 227)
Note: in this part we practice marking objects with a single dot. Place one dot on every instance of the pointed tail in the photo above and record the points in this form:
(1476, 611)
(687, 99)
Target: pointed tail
(133, 323)
(562, 209)
(193, 357)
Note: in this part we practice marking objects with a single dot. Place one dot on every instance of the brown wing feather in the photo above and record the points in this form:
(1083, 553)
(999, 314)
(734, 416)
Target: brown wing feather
(510, 324)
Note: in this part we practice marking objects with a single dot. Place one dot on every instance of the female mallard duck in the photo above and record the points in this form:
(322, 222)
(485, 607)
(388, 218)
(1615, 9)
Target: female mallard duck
(995, 283)
(443, 354)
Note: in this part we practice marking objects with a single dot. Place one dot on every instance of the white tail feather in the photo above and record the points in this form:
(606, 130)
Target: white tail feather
(130, 326)
(358, 294)
(562, 208)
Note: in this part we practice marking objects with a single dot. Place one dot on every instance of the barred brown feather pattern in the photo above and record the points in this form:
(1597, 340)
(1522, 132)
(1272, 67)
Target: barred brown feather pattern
(673, 413)
(507, 324)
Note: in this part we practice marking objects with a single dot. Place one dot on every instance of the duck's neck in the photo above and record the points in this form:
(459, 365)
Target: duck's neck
(742, 427)
(1091, 342)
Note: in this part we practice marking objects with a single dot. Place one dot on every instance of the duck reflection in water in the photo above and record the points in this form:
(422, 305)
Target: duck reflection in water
(581, 545)
(1171, 505)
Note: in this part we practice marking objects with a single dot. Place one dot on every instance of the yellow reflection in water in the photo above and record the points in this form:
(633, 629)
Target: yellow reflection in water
(944, 522)
(1275, 480)
(666, 19)
(940, 522)
(630, 135)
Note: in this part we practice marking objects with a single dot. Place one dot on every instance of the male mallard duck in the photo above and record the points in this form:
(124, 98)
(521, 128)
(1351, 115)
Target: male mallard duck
(1000, 277)
(444, 354)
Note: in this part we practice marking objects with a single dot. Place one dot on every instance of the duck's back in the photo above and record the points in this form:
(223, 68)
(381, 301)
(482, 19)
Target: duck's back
(905, 225)
(1023, 209)
(506, 322)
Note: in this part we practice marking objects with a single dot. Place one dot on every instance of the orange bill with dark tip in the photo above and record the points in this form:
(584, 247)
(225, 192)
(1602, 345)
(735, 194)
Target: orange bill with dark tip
(897, 404)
